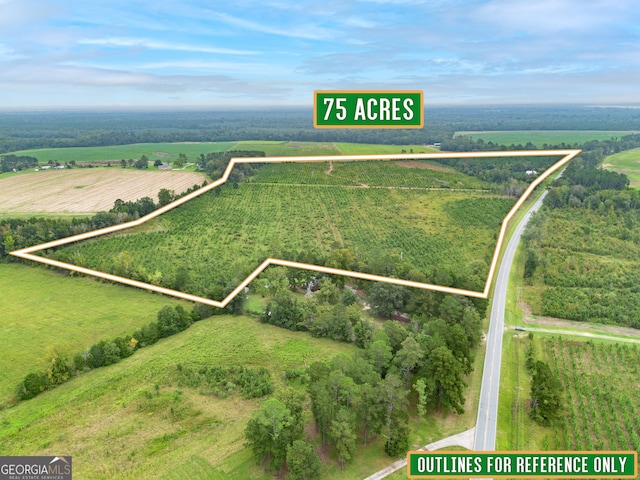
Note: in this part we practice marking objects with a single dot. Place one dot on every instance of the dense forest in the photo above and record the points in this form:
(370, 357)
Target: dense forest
(29, 130)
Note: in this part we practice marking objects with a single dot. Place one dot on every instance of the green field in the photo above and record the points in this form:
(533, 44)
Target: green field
(117, 424)
(541, 137)
(167, 152)
(627, 162)
(222, 237)
(43, 311)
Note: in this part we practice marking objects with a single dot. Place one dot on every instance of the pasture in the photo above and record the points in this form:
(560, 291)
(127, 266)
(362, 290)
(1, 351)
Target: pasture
(43, 311)
(86, 190)
(167, 152)
(541, 137)
(131, 420)
(627, 162)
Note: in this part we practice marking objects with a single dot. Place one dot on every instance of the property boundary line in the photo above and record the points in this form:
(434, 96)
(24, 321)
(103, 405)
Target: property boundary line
(567, 155)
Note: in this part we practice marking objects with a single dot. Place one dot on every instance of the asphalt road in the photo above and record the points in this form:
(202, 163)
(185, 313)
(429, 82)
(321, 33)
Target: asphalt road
(485, 438)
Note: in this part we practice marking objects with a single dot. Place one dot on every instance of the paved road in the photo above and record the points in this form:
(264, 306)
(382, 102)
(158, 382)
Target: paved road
(485, 438)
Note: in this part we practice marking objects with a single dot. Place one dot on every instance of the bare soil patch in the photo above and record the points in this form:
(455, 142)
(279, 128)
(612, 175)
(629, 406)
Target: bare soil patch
(86, 191)
(428, 166)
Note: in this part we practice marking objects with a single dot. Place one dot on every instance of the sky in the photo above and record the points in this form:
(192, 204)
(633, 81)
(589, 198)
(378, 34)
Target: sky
(197, 54)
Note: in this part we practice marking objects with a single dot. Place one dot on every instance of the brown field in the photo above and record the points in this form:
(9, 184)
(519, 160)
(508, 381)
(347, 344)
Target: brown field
(85, 191)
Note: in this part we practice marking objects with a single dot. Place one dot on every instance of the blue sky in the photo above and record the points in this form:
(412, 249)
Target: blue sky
(138, 53)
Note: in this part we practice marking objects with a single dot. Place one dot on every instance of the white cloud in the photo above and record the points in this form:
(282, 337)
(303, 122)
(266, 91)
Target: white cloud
(156, 45)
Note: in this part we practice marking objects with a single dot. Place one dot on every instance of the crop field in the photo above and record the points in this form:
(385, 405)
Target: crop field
(43, 311)
(627, 162)
(588, 268)
(601, 394)
(166, 152)
(132, 420)
(224, 235)
(87, 190)
(541, 137)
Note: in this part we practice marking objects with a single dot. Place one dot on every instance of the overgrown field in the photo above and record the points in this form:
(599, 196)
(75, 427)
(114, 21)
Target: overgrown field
(43, 312)
(586, 265)
(132, 420)
(539, 138)
(222, 236)
(627, 162)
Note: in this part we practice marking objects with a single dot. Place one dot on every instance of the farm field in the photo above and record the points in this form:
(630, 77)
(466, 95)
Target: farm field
(587, 267)
(131, 420)
(86, 191)
(599, 379)
(224, 235)
(167, 152)
(541, 137)
(627, 162)
(43, 311)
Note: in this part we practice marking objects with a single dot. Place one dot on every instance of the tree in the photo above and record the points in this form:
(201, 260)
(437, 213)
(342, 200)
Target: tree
(165, 197)
(143, 162)
(386, 299)
(343, 436)
(267, 433)
(273, 281)
(546, 395)
(181, 161)
(394, 396)
(363, 333)
(420, 388)
(168, 321)
(303, 461)
(380, 355)
(408, 357)
(157, 163)
(444, 380)
(369, 411)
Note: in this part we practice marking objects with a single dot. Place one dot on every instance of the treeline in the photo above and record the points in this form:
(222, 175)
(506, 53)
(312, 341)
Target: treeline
(214, 164)
(16, 233)
(62, 366)
(546, 392)
(17, 163)
(27, 130)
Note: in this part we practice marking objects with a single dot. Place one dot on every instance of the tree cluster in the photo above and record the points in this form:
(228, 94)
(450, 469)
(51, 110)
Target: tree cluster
(17, 163)
(62, 366)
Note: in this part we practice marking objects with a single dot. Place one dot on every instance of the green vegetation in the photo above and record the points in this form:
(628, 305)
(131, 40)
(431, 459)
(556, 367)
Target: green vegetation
(599, 383)
(134, 418)
(543, 138)
(627, 162)
(221, 237)
(44, 313)
(166, 152)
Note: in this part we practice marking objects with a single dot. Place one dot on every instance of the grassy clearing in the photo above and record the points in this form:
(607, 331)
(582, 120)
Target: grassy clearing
(43, 311)
(627, 162)
(542, 137)
(167, 152)
(364, 149)
(116, 420)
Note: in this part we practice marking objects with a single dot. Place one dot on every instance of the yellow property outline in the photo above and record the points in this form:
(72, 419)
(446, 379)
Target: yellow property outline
(27, 253)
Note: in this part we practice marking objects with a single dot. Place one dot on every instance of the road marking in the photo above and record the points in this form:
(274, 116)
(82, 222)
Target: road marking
(567, 155)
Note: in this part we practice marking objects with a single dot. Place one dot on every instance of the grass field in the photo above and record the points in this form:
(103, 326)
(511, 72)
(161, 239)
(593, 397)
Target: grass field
(43, 311)
(223, 237)
(542, 137)
(86, 190)
(117, 424)
(167, 152)
(627, 162)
